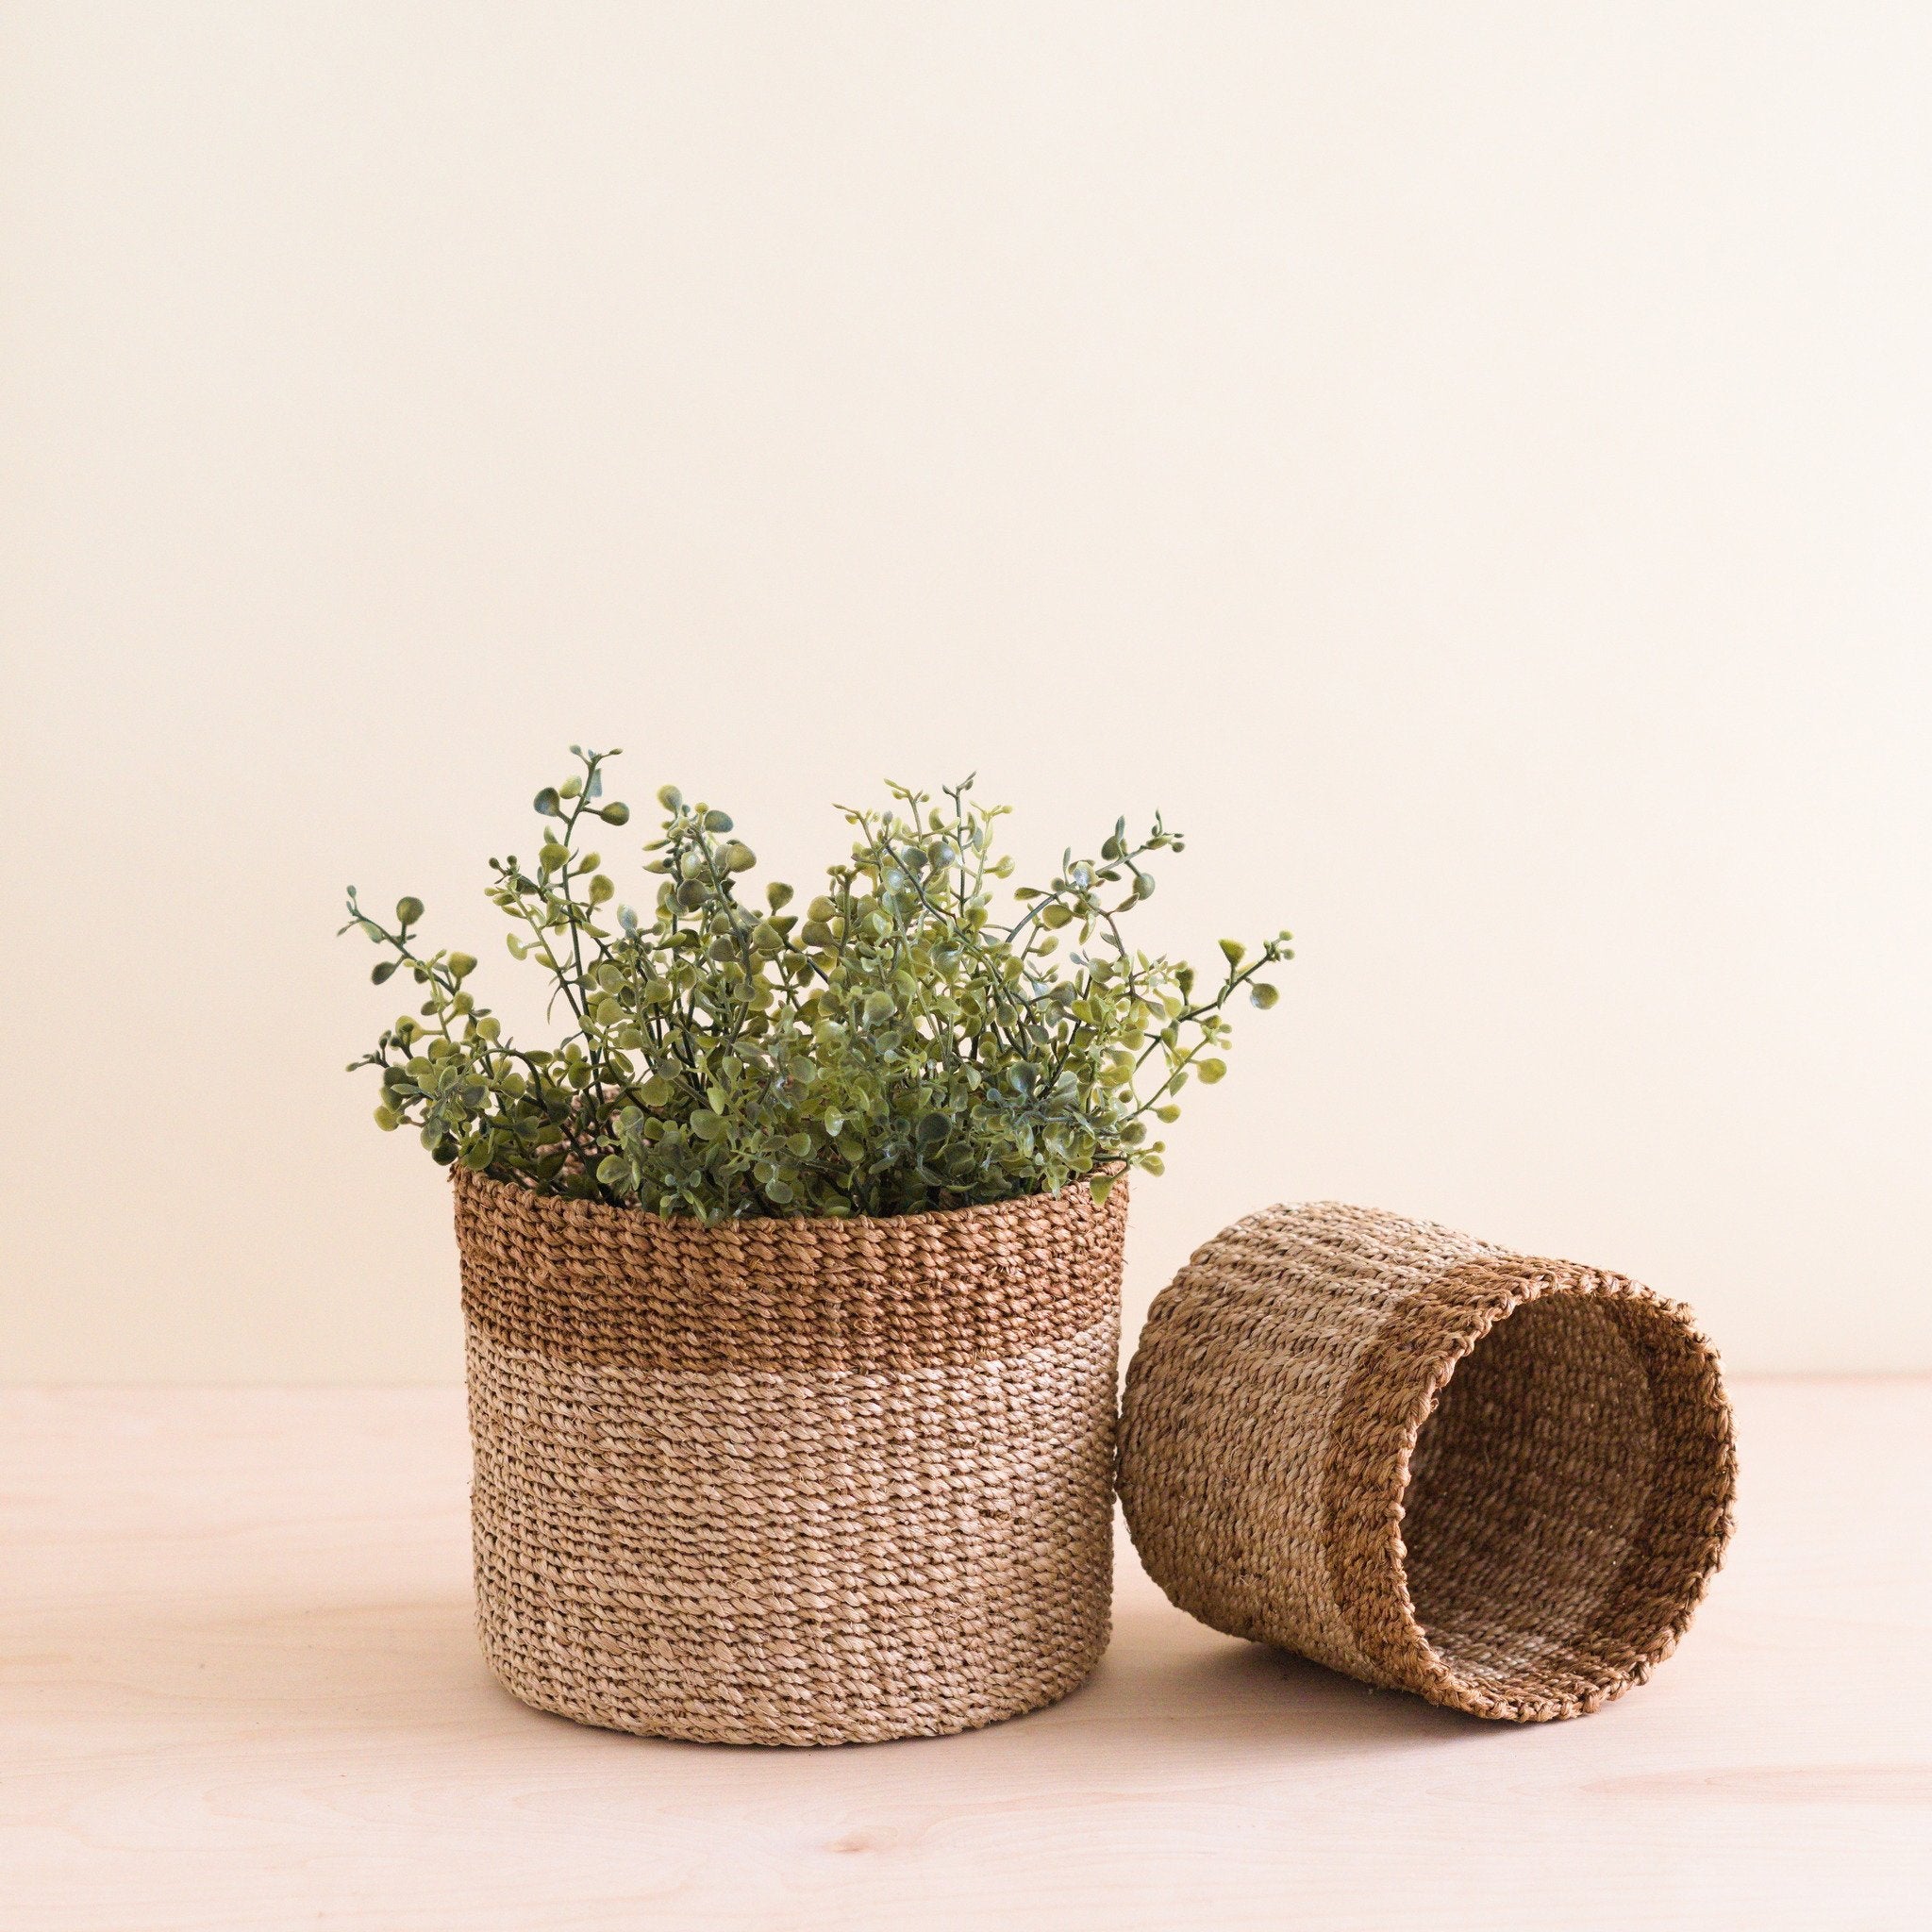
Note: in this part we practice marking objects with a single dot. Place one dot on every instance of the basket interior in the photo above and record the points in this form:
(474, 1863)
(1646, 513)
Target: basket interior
(1564, 1501)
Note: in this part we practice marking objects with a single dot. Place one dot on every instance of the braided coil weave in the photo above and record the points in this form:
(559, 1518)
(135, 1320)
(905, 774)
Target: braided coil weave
(1500, 1482)
(790, 1482)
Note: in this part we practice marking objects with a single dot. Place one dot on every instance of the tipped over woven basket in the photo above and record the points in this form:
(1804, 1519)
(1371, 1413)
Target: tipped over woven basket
(1500, 1482)
(790, 1482)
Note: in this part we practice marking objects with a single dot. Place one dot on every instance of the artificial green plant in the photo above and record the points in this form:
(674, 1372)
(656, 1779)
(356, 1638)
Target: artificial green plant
(901, 1047)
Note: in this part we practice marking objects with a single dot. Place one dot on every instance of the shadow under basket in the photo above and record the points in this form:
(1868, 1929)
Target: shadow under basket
(792, 1482)
(1500, 1482)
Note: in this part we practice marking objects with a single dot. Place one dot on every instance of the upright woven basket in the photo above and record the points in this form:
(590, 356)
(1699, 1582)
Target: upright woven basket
(1500, 1482)
(790, 1482)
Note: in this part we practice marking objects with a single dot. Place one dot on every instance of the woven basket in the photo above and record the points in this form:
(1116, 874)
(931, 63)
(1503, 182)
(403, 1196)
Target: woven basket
(792, 1482)
(1499, 1482)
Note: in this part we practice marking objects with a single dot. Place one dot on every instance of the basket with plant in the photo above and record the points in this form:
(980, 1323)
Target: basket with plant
(792, 1270)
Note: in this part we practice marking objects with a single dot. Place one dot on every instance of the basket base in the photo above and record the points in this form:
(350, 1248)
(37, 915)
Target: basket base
(800, 1730)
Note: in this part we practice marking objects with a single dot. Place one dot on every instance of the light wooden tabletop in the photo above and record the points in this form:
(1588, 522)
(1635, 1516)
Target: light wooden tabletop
(239, 1688)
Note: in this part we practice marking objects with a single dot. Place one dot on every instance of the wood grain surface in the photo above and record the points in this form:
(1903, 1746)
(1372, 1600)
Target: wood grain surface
(239, 1688)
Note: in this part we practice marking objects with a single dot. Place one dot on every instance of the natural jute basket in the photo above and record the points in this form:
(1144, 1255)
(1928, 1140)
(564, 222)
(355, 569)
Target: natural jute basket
(792, 1482)
(1502, 1483)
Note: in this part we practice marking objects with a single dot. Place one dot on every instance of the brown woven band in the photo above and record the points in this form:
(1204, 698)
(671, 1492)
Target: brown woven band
(792, 1482)
(578, 1282)
(1500, 1482)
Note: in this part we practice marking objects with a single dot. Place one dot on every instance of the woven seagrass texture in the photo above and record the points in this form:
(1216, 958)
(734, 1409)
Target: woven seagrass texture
(1500, 1482)
(792, 1482)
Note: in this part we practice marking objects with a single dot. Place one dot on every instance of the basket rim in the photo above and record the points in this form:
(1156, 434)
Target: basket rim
(1507, 1284)
(689, 1226)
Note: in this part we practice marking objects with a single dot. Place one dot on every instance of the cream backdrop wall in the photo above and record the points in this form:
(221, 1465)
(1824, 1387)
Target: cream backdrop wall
(1470, 467)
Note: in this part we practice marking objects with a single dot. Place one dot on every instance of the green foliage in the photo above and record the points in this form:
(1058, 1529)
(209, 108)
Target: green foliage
(895, 1048)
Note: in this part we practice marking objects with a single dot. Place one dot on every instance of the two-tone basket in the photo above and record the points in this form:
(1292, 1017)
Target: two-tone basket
(792, 1481)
